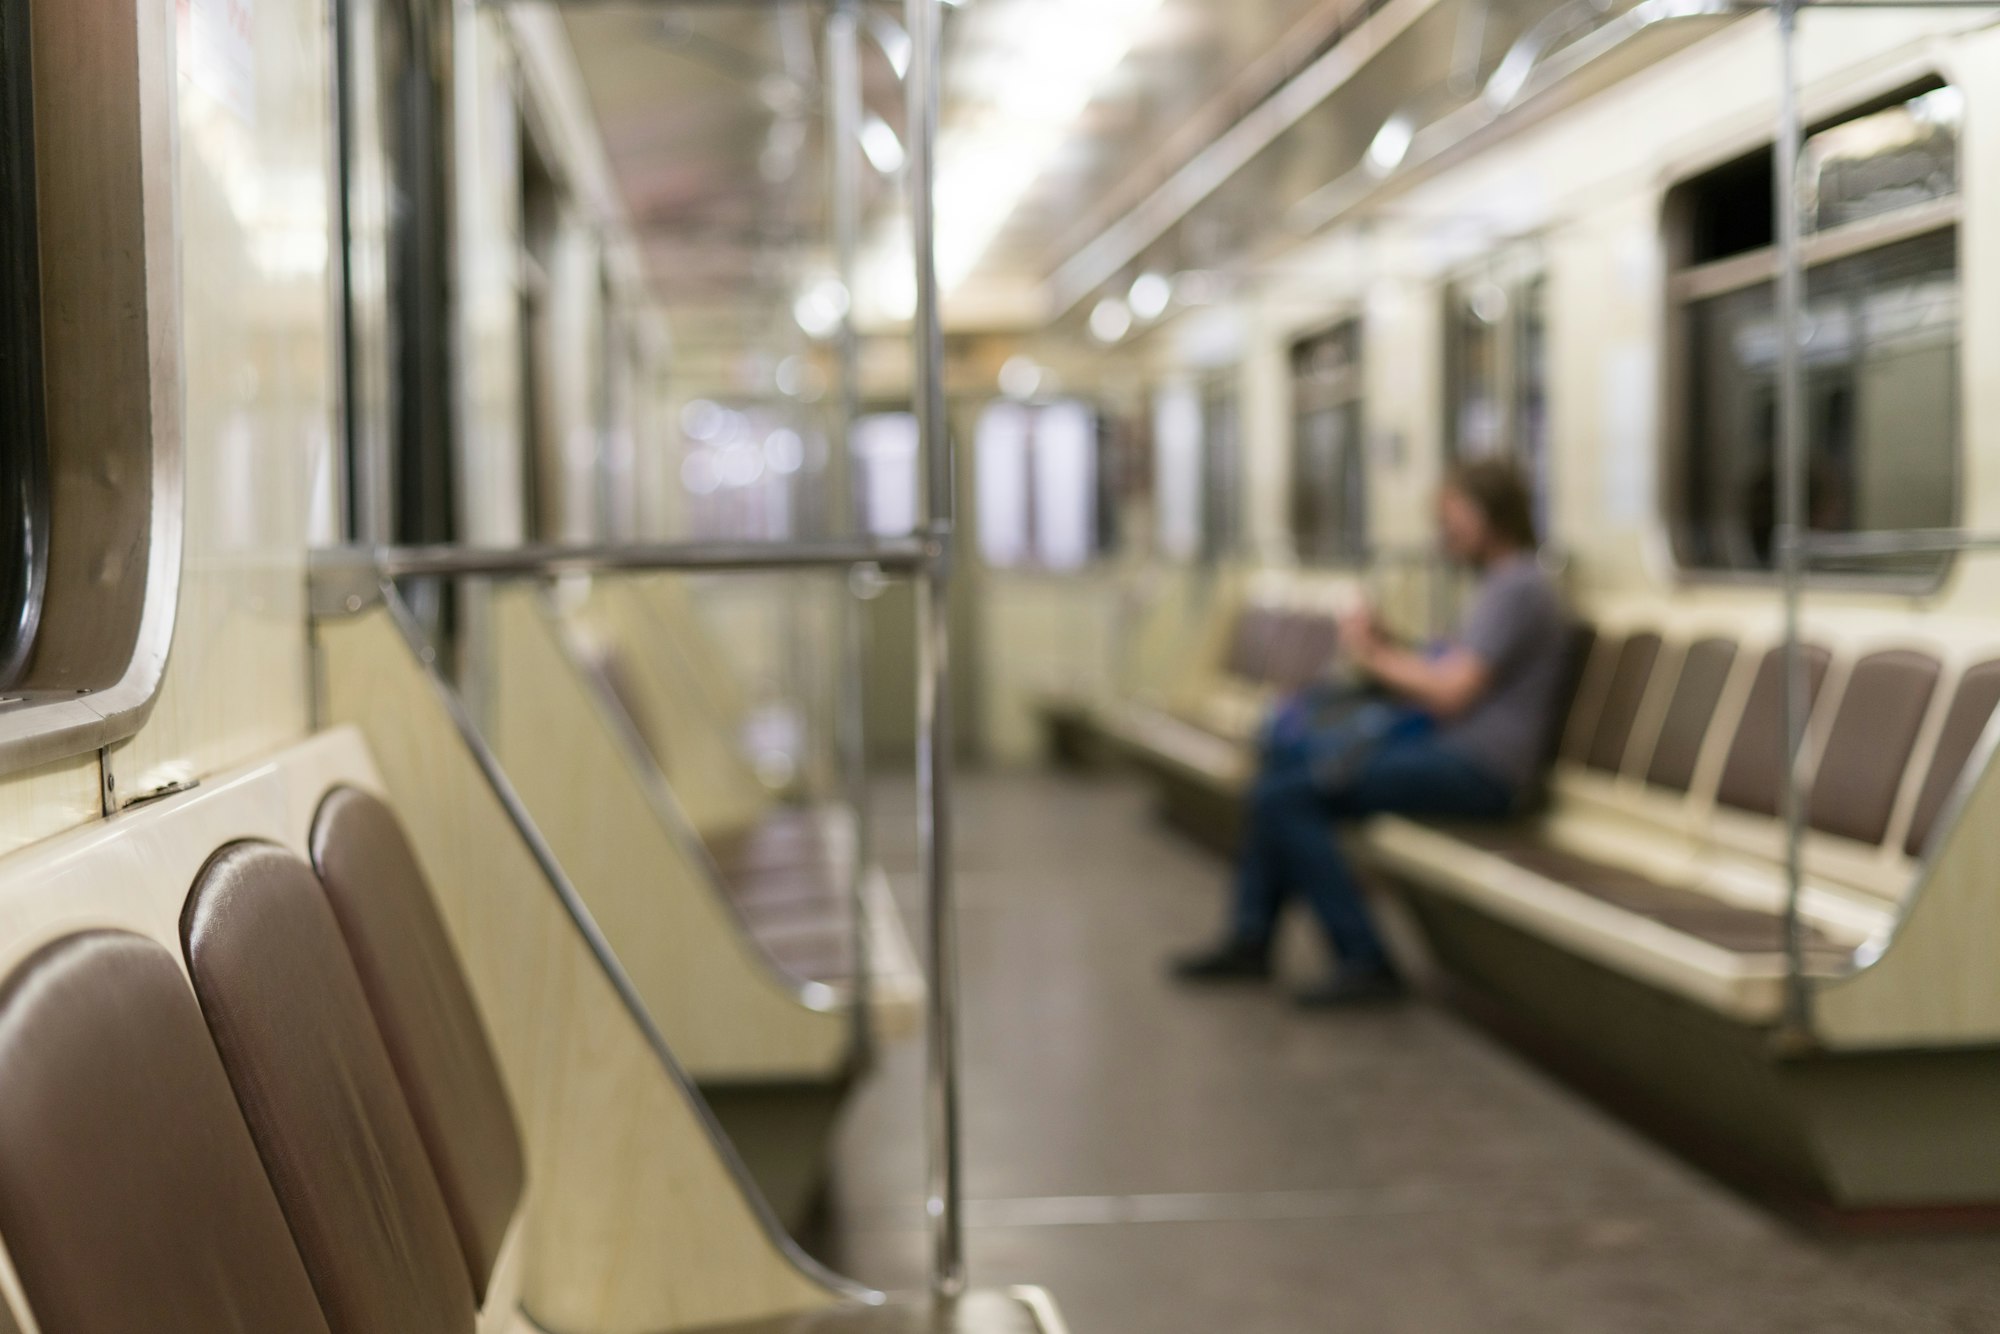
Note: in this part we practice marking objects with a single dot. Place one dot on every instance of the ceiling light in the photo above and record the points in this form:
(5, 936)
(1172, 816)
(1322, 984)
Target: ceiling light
(1111, 320)
(1391, 143)
(882, 145)
(1020, 377)
(1150, 296)
(1039, 64)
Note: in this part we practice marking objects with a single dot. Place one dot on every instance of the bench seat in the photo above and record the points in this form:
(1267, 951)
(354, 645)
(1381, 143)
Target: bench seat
(1724, 955)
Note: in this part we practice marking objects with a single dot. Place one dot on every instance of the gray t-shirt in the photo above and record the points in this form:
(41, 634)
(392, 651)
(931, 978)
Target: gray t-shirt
(1518, 628)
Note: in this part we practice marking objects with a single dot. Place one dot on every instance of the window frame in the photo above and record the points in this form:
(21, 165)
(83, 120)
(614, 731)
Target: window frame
(106, 180)
(1353, 548)
(24, 463)
(1684, 284)
(1520, 270)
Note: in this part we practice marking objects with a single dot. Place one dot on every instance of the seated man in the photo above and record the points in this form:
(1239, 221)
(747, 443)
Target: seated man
(1457, 732)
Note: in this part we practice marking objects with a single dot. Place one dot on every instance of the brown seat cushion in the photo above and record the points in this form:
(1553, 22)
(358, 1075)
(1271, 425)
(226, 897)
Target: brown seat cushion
(1623, 694)
(1251, 641)
(1753, 777)
(1874, 731)
(1593, 678)
(1727, 926)
(1698, 684)
(288, 1013)
(1964, 722)
(131, 1195)
(428, 1018)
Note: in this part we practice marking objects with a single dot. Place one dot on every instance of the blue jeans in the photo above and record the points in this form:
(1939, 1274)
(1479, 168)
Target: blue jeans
(1290, 846)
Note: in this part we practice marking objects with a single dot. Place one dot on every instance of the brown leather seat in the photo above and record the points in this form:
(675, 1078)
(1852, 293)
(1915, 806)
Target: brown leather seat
(1972, 705)
(1728, 926)
(1874, 731)
(131, 1196)
(1631, 673)
(290, 1017)
(1753, 776)
(429, 1021)
(1698, 683)
(1251, 640)
(1593, 679)
(1307, 647)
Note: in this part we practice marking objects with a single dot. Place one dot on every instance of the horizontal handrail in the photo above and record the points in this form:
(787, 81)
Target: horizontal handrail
(550, 560)
(1897, 542)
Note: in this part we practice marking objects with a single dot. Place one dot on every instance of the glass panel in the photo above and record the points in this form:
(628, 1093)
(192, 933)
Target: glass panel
(1222, 470)
(1036, 477)
(1891, 160)
(1329, 490)
(1882, 391)
(1478, 392)
(1177, 471)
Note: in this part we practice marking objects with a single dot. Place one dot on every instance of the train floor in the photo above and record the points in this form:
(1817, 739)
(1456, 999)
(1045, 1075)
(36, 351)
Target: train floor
(1169, 1162)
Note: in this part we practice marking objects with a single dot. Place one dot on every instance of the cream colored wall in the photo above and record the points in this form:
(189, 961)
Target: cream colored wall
(255, 226)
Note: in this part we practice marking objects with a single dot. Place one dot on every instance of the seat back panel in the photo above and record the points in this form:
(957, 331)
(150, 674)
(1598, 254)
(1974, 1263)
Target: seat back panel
(1623, 696)
(289, 1015)
(1704, 673)
(430, 1025)
(1881, 712)
(131, 1196)
(1972, 704)
(1753, 776)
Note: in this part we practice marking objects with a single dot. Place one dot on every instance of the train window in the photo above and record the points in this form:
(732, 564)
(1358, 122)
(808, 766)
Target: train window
(1179, 442)
(1882, 377)
(1329, 472)
(886, 472)
(24, 464)
(1496, 373)
(1222, 469)
(1037, 478)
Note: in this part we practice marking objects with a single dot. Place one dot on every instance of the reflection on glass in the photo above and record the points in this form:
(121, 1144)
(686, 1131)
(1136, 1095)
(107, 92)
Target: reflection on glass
(1882, 421)
(1329, 478)
(1036, 482)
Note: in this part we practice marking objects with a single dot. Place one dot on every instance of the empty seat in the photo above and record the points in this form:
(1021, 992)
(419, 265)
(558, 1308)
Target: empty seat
(1698, 684)
(1727, 926)
(1599, 655)
(429, 1021)
(1874, 731)
(131, 1196)
(1250, 643)
(291, 1019)
(1624, 692)
(1965, 721)
(1753, 776)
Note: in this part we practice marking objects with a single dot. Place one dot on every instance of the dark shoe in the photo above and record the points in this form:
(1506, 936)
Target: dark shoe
(1231, 961)
(1354, 986)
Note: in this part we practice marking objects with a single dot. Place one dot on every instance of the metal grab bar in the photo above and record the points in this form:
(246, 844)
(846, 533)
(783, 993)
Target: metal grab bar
(548, 561)
(1888, 543)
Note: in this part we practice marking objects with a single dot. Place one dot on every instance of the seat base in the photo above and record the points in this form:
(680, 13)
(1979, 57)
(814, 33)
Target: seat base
(1013, 1311)
(1846, 1134)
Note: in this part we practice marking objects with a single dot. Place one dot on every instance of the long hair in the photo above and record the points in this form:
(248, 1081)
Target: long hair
(1499, 492)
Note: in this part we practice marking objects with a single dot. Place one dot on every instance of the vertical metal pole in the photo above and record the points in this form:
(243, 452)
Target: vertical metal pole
(1792, 478)
(925, 21)
(843, 129)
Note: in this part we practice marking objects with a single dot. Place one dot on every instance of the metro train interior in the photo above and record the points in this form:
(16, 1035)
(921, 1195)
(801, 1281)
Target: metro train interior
(999, 666)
